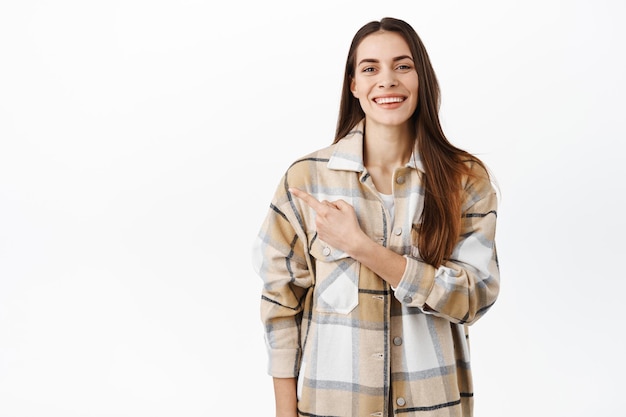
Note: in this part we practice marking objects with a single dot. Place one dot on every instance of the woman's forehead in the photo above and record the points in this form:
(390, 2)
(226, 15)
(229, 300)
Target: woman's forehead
(382, 45)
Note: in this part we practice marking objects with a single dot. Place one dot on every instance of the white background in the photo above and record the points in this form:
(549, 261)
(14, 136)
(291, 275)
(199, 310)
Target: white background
(140, 144)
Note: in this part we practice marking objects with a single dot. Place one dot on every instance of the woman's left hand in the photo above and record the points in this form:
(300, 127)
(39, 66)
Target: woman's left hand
(336, 221)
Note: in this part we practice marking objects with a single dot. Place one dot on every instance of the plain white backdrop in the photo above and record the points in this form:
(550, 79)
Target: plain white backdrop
(141, 142)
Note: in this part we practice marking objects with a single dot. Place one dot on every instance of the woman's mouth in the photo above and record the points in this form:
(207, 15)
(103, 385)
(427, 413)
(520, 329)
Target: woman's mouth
(388, 100)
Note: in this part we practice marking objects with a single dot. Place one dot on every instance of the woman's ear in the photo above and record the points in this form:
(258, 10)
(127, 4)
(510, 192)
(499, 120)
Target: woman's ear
(353, 89)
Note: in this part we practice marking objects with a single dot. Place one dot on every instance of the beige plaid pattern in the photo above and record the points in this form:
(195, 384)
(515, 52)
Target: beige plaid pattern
(357, 346)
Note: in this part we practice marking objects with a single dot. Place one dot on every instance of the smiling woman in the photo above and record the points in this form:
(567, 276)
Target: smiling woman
(378, 251)
(385, 79)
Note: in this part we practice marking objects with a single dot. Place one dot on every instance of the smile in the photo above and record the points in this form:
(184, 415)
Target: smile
(387, 100)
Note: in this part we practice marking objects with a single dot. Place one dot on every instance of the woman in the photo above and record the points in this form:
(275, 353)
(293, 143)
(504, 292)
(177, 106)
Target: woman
(378, 251)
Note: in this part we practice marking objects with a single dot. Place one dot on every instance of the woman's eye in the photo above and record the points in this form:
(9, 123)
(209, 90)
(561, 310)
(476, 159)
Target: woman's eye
(368, 69)
(404, 67)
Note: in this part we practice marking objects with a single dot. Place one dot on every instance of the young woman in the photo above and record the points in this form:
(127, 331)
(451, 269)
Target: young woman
(378, 251)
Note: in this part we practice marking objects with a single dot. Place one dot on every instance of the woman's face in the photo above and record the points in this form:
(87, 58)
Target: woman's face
(385, 79)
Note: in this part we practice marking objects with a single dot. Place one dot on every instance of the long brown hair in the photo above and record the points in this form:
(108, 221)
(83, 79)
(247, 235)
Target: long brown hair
(444, 164)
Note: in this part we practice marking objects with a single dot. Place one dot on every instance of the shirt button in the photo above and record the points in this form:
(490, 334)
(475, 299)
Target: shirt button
(407, 299)
(397, 231)
(397, 340)
(400, 180)
(326, 251)
(400, 401)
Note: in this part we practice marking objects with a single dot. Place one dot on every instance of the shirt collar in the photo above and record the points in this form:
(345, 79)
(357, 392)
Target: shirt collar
(348, 153)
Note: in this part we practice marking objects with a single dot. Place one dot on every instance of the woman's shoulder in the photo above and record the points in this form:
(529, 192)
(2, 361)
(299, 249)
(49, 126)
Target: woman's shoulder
(478, 181)
(475, 168)
(317, 157)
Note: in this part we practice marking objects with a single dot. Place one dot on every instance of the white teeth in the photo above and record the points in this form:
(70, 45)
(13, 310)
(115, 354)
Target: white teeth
(386, 100)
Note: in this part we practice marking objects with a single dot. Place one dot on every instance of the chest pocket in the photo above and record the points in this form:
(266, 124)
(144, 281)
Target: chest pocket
(336, 279)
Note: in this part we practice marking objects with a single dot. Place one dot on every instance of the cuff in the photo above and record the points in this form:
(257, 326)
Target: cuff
(283, 363)
(416, 283)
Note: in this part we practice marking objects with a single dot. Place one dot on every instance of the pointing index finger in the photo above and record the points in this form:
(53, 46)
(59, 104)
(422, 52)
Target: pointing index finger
(307, 198)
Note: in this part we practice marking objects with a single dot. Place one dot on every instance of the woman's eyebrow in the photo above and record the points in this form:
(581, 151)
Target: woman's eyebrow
(373, 60)
(401, 57)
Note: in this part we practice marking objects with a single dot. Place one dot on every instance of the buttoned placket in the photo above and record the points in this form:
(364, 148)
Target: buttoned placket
(398, 239)
(381, 235)
(392, 236)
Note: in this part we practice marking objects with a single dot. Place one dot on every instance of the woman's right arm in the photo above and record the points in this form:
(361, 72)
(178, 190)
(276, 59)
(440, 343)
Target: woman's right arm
(281, 259)
(285, 394)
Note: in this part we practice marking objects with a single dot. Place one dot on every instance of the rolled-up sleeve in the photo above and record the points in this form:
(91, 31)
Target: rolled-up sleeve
(278, 256)
(467, 284)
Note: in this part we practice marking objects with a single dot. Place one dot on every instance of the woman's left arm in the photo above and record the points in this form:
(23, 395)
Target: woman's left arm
(467, 284)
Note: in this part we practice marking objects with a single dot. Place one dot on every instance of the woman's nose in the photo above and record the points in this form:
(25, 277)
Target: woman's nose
(387, 79)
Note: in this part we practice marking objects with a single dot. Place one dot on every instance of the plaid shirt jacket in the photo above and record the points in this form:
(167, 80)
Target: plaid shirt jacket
(357, 346)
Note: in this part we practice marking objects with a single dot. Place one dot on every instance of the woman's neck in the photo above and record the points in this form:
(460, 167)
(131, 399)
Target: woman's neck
(387, 147)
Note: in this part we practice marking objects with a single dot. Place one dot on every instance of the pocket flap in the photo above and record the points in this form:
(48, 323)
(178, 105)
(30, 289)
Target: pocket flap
(323, 252)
